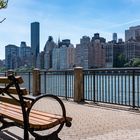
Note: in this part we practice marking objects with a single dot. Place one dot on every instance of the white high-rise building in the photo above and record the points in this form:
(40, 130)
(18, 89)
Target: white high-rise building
(56, 59)
(66, 57)
(63, 56)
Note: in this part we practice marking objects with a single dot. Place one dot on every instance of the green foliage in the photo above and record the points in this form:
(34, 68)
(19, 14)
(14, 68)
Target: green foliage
(24, 69)
(3, 69)
(120, 61)
(3, 4)
(135, 62)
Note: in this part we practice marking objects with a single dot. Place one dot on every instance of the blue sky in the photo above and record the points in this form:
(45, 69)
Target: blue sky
(66, 19)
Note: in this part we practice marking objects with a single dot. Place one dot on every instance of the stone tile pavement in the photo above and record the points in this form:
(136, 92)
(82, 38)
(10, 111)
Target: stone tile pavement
(93, 122)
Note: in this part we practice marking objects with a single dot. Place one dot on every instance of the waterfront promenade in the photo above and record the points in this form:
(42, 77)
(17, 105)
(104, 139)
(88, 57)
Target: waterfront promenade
(91, 122)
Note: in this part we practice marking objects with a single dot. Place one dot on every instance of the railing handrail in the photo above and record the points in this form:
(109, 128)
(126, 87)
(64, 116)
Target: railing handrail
(107, 85)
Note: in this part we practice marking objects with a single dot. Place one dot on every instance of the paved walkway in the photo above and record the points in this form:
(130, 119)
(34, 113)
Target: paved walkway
(92, 122)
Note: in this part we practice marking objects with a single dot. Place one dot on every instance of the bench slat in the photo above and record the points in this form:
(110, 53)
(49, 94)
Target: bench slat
(35, 122)
(12, 90)
(32, 115)
(39, 113)
(18, 118)
(5, 80)
(12, 101)
(11, 109)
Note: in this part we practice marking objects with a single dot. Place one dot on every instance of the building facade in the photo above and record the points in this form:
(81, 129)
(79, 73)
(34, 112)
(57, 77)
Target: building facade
(97, 50)
(63, 56)
(66, 57)
(109, 54)
(40, 60)
(82, 53)
(11, 56)
(25, 55)
(133, 33)
(35, 41)
(132, 50)
(56, 58)
(49, 46)
(118, 51)
(114, 37)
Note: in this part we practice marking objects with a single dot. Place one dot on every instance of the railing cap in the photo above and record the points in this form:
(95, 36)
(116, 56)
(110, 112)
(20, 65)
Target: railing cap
(36, 69)
(78, 68)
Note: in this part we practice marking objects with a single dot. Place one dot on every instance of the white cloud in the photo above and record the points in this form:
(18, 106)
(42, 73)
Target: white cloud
(133, 1)
(125, 23)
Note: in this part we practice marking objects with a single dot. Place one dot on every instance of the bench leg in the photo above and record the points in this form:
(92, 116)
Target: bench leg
(26, 135)
(5, 124)
(53, 136)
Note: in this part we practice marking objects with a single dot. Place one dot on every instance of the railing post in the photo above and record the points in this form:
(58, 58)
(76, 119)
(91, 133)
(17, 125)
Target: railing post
(45, 90)
(133, 88)
(66, 85)
(36, 82)
(29, 82)
(94, 88)
(78, 84)
(10, 72)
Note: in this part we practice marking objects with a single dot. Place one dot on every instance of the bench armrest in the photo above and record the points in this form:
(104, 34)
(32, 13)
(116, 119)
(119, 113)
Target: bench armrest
(30, 97)
(36, 98)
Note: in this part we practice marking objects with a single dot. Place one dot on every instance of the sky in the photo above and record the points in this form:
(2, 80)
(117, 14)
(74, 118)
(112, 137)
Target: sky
(66, 19)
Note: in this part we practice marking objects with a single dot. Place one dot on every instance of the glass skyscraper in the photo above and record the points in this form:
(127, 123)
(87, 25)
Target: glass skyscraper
(35, 41)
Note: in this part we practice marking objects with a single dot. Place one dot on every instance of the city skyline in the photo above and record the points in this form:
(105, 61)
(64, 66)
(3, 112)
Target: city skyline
(66, 19)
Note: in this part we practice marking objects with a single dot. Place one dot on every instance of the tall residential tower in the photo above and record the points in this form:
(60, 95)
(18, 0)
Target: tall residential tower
(35, 41)
(114, 37)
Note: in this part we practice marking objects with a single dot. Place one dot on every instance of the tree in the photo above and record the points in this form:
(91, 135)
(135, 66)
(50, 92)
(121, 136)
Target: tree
(135, 62)
(119, 61)
(3, 4)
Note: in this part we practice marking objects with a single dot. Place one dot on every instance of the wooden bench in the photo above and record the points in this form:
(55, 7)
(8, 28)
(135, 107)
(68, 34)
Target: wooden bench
(18, 108)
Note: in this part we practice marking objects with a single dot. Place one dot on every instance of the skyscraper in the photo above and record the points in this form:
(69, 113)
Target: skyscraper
(97, 51)
(114, 38)
(82, 52)
(66, 54)
(35, 41)
(49, 46)
(63, 55)
(11, 56)
(24, 54)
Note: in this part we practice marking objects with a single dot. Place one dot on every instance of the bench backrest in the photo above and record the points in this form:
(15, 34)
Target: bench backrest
(9, 92)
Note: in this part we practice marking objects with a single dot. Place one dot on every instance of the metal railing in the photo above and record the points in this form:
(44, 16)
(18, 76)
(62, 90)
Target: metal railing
(27, 78)
(60, 83)
(113, 86)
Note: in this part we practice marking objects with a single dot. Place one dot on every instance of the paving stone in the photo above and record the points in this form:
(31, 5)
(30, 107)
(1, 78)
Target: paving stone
(92, 122)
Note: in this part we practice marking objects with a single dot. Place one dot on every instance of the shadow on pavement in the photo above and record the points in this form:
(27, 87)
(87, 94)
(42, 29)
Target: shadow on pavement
(7, 135)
